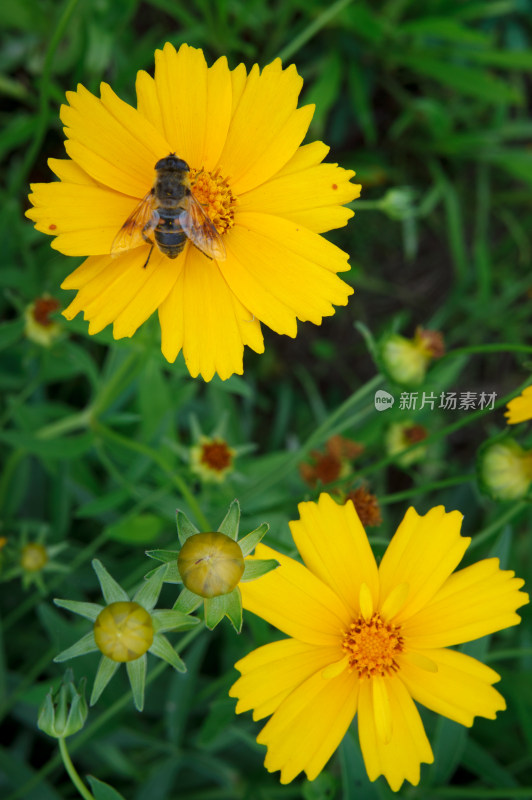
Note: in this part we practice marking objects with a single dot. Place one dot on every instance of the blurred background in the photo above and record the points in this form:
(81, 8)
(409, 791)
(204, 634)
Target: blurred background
(429, 102)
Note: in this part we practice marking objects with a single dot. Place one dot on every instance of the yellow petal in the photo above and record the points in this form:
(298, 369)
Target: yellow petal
(70, 172)
(309, 725)
(321, 190)
(473, 602)
(202, 317)
(195, 103)
(520, 408)
(111, 141)
(296, 602)
(281, 272)
(266, 129)
(423, 553)
(148, 100)
(125, 292)
(334, 546)
(382, 711)
(460, 688)
(271, 672)
(86, 271)
(85, 218)
(399, 758)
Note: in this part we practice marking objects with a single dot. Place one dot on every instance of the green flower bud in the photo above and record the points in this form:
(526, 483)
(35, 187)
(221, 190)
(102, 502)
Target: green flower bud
(123, 631)
(505, 470)
(64, 712)
(210, 564)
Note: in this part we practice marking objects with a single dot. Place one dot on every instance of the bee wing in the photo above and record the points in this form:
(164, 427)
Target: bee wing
(200, 230)
(142, 219)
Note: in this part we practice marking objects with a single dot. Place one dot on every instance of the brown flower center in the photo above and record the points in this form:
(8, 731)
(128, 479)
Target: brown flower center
(372, 646)
(42, 309)
(216, 455)
(217, 199)
(415, 433)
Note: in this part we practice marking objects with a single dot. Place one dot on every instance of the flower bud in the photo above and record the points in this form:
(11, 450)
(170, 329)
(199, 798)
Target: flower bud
(123, 631)
(402, 435)
(405, 361)
(33, 557)
(39, 327)
(65, 711)
(210, 564)
(505, 470)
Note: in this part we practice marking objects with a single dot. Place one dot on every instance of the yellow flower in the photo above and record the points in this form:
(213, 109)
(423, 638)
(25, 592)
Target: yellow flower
(268, 197)
(38, 325)
(370, 640)
(520, 408)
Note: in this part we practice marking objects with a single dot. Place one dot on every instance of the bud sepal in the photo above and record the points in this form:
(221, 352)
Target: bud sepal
(64, 711)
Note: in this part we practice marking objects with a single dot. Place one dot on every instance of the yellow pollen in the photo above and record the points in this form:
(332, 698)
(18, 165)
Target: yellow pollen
(213, 193)
(372, 646)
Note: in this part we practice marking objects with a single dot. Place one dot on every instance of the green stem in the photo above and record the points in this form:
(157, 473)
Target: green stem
(73, 422)
(70, 768)
(310, 31)
(162, 463)
(329, 426)
(441, 434)
(500, 522)
(42, 119)
(487, 348)
(504, 655)
(428, 487)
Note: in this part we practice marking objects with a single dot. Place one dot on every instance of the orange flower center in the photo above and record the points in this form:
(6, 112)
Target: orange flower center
(216, 455)
(372, 646)
(217, 199)
(42, 309)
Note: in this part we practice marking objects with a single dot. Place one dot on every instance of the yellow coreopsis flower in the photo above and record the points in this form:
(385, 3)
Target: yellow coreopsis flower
(370, 640)
(520, 408)
(264, 198)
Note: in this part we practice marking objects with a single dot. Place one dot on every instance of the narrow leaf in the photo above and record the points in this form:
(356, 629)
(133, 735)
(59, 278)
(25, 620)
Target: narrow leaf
(163, 555)
(111, 590)
(231, 521)
(249, 542)
(136, 671)
(172, 620)
(87, 610)
(233, 608)
(83, 646)
(162, 648)
(149, 592)
(187, 601)
(254, 569)
(102, 791)
(184, 527)
(106, 670)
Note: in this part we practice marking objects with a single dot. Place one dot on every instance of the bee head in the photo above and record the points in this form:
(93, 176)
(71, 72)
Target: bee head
(172, 162)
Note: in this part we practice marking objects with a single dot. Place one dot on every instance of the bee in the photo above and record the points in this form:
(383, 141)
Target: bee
(169, 215)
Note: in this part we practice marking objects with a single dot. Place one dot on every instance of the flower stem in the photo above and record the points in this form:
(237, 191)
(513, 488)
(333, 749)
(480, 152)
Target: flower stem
(428, 487)
(143, 449)
(70, 768)
(311, 30)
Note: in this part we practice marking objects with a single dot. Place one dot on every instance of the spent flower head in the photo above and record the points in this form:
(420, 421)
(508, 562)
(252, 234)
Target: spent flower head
(124, 630)
(371, 640)
(31, 557)
(250, 205)
(39, 326)
(400, 436)
(333, 463)
(212, 565)
(405, 361)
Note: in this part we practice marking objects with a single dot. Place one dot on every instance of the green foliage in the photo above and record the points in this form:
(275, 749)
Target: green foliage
(425, 99)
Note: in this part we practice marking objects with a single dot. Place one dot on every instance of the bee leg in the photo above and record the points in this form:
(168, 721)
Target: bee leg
(149, 255)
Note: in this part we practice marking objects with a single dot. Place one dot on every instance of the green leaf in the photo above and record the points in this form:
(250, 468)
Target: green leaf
(231, 521)
(83, 646)
(62, 447)
(359, 89)
(162, 648)
(136, 671)
(254, 569)
(445, 28)
(87, 610)
(149, 592)
(233, 608)
(111, 590)
(106, 670)
(464, 80)
(173, 620)
(102, 791)
(184, 527)
(251, 540)
(214, 611)
(139, 529)
(11, 332)
(163, 555)
(187, 601)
